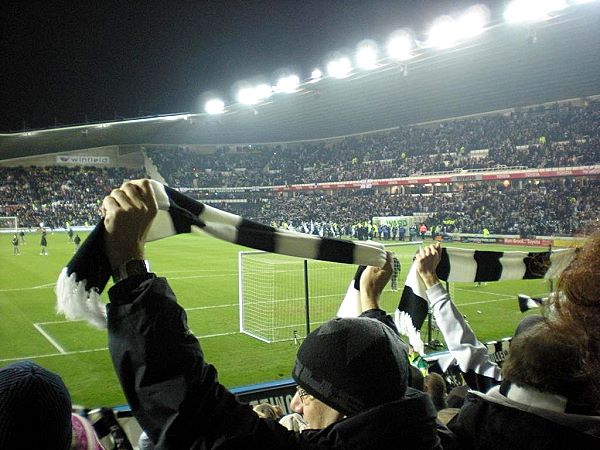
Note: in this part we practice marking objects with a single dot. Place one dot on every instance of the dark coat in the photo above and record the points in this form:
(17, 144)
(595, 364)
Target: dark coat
(493, 421)
(177, 399)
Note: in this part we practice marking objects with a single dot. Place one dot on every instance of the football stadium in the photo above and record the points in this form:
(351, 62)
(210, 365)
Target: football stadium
(480, 135)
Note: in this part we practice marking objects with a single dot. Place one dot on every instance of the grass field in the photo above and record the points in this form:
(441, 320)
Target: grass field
(203, 273)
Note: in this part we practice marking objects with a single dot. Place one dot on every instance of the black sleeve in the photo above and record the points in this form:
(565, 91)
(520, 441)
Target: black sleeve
(382, 316)
(173, 393)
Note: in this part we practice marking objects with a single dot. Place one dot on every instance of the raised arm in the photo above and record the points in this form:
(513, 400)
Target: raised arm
(174, 394)
(469, 353)
(372, 282)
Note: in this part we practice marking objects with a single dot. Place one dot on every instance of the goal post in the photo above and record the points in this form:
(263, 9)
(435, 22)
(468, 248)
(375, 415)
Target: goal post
(273, 291)
(9, 224)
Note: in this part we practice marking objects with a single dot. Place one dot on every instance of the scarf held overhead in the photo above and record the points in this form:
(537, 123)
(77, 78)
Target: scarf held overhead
(85, 276)
(466, 265)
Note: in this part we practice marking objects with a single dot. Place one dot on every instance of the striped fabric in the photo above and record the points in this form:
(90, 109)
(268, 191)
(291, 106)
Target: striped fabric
(85, 276)
(526, 302)
(466, 265)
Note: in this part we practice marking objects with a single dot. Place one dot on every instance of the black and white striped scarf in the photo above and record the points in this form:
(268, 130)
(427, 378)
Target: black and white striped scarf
(85, 276)
(467, 265)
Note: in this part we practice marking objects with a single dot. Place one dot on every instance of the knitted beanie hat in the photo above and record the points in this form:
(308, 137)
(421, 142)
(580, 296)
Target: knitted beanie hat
(35, 408)
(528, 322)
(352, 364)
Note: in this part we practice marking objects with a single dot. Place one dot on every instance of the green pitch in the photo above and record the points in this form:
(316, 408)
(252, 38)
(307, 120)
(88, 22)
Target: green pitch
(203, 274)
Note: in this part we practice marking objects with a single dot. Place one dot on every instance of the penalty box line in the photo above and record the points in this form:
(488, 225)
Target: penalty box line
(63, 352)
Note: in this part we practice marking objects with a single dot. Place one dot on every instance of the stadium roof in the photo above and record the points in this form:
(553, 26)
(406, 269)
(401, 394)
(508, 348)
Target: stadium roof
(508, 66)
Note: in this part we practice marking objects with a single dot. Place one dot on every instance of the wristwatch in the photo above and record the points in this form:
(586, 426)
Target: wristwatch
(130, 268)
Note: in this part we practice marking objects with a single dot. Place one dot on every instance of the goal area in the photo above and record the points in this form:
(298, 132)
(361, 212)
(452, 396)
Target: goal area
(281, 298)
(9, 224)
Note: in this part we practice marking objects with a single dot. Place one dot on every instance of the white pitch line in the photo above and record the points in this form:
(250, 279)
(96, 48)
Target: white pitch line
(486, 301)
(49, 355)
(200, 276)
(56, 345)
(195, 271)
(218, 334)
(103, 349)
(482, 292)
(41, 286)
(196, 308)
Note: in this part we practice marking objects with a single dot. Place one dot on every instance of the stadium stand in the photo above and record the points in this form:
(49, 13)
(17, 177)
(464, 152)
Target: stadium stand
(55, 196)
(558, 136)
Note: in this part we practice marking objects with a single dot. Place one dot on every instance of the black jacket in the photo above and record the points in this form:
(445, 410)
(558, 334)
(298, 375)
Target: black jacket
(177, 399)
(492, 421)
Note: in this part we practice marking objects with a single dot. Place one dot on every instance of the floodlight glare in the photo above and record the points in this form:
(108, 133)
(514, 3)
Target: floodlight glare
(339, 68)
(263, 91)
(444, 33)
(316, 74)
(247, 96)
(288, 84)
(214, 106)
(581, 2)
(366, 55)
(473, 21)
(400, 46)
(519, 11)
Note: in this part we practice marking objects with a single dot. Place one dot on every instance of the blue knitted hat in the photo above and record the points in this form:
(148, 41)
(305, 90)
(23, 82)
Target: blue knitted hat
(35, 408)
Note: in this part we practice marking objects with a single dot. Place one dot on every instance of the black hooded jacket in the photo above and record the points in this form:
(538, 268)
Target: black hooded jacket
(177, 399)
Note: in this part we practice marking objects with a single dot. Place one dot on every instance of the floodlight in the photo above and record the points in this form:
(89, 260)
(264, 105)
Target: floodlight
(247, 96)
(214, 106)
(339, 68)
(444, 33)
(288, 84)
(400, 46)
(366, 55)
(316, 74)
(532, 10)
(263, 91)
(472, 22)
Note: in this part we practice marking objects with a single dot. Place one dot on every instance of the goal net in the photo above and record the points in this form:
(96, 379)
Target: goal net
(9, 224)
(279, 295)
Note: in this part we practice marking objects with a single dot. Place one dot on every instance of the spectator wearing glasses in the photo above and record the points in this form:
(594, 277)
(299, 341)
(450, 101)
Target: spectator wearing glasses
(354, 371)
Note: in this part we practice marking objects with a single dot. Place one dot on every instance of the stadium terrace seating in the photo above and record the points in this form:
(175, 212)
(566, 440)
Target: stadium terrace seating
(55, 195)
(558, 136)
(560, 207)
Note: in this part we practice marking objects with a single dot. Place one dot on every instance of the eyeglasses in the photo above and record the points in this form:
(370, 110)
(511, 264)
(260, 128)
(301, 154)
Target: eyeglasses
(302, 394)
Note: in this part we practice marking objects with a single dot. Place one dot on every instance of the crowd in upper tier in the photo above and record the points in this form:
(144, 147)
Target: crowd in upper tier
(557, 136)
(539, 138)
(55, 196)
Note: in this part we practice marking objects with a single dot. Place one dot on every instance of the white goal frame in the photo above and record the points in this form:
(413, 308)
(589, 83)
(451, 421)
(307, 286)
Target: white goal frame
(15, 222)
(259, 314)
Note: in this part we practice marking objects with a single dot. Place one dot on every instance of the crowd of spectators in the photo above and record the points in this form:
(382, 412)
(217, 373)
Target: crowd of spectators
(560, 207)
(557, 136)
(56, 196)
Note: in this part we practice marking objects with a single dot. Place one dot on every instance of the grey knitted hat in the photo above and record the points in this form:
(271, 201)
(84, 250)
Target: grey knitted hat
(352, 365)
(35, 408)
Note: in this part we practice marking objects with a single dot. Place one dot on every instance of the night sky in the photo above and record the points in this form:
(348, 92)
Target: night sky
(103, 60)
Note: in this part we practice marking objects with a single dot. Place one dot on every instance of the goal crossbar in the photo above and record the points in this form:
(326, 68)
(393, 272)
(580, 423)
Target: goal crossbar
(275, 291)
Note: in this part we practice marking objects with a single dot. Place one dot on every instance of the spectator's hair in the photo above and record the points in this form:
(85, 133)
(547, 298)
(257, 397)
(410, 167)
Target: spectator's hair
(576, 307)
(551, 362)
(579, 285)
(435, 386)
